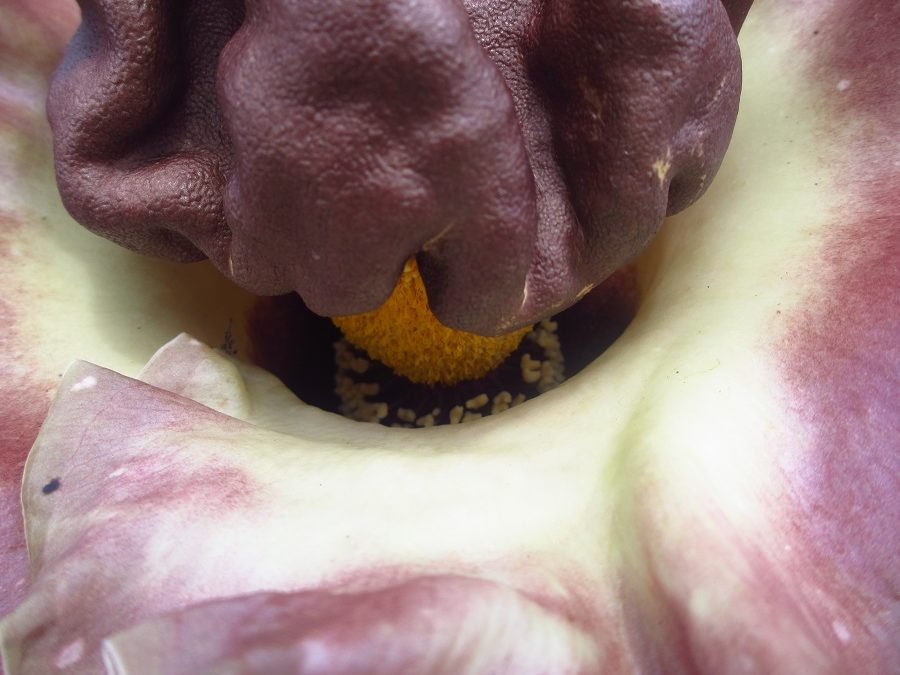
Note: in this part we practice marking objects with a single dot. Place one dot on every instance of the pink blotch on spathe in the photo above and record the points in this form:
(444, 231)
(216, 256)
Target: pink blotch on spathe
(35, 32)
(841, 355)
(108, 463)
(437, 625)
(24, 398)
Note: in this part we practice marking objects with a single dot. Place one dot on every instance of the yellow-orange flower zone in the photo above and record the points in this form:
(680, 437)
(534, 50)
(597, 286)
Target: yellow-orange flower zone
(404, 335)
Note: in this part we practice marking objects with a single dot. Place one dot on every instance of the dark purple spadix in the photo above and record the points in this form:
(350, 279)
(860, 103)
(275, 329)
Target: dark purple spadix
(522, 150)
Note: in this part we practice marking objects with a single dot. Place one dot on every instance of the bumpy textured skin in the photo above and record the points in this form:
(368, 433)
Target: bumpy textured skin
(522, 149)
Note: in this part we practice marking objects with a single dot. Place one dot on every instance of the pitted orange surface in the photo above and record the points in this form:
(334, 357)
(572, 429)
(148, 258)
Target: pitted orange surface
(405, 335)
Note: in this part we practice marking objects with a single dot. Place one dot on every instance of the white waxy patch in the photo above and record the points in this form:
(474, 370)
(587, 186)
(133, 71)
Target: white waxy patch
(20, 370)
(531, 369)
(702, 605)
(353, 397)
(501, 402)
(840, 629)
(524, 295)
(431, 243)
(584, 291)
(456, 414)
(553, 365)
(477, 402)
(662, 166)
(70, 654)
(719, 90)
(843, 85)
(357, 398)
(88, 382)
(406, 415)
(425, 421)
(368, 412)
(118, 472)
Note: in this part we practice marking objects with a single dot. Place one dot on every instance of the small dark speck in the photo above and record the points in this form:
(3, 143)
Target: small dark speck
(815, 32)
(52, 486)
(228, 346)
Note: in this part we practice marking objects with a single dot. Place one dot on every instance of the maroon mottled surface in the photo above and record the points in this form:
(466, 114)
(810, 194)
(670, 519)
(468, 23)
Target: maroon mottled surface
(842, 356)
(523, 150)
(737, 11)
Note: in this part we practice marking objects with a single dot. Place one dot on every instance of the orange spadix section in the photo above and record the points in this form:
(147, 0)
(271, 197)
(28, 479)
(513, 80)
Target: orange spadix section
(405, 335)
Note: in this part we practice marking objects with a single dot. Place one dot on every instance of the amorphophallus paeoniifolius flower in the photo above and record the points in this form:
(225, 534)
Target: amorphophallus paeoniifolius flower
(717, 492)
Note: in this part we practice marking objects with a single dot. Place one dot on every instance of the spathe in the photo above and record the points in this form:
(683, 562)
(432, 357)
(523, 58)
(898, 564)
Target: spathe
(742, 483)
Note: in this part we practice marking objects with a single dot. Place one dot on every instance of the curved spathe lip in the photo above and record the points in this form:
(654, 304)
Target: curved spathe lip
(182, 505)
(430, 625)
